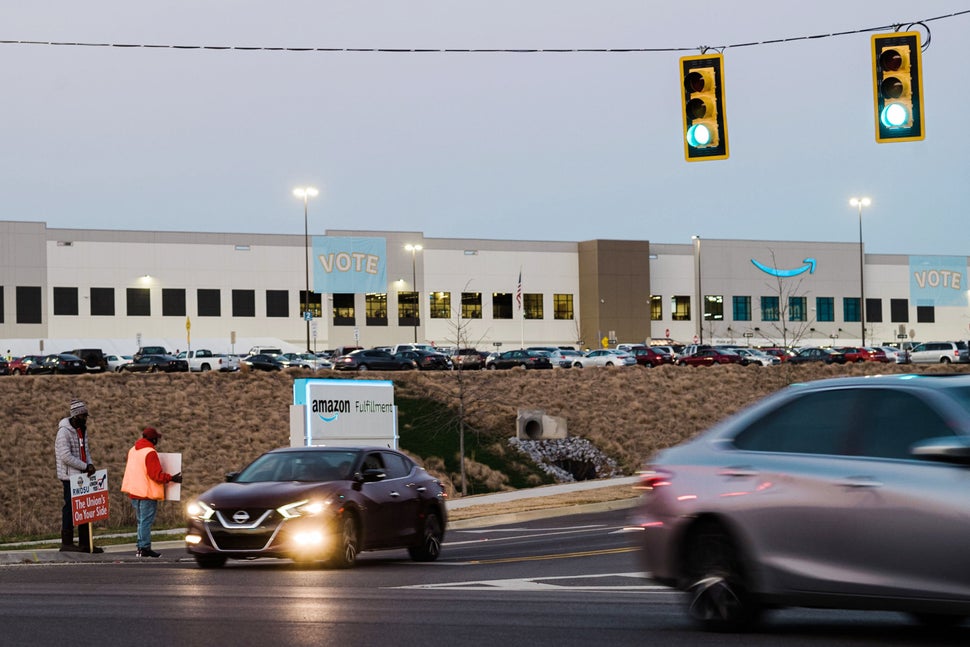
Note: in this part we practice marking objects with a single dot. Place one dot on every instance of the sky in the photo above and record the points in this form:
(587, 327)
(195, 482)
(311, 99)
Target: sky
(561, 146)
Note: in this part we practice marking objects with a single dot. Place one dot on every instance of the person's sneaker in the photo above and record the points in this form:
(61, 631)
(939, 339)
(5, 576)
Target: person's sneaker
(147, 552)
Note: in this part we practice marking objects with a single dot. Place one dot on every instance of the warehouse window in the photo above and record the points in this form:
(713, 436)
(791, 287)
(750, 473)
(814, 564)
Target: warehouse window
(65, 301)
(173, 302)
(139, 302)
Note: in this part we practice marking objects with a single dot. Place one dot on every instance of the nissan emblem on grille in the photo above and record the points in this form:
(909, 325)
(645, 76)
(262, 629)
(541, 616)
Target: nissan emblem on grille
(240, 516)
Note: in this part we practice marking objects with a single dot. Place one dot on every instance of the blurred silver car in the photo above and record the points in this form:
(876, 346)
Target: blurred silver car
(605, 357)
(843, 493)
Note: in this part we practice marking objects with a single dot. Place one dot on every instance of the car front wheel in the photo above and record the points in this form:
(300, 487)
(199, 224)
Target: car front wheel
(944, 360)
(431, 536)
(348, 543)
(718, 597)
(362, 367)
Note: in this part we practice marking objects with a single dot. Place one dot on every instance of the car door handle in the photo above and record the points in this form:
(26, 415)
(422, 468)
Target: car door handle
(738, 471)
(394, 493)
(860, 481)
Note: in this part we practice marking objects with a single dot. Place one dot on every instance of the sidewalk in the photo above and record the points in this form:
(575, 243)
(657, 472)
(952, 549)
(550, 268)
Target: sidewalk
(126, 552)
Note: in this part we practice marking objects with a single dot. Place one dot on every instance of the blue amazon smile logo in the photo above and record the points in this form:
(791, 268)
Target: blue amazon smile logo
(809, 267)
(328, 419)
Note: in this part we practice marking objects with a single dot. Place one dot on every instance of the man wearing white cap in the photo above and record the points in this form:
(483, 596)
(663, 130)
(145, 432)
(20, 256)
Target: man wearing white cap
(73, 457)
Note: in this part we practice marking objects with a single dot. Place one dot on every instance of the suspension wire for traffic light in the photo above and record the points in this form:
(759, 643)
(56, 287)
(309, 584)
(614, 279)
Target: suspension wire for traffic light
(449, 50)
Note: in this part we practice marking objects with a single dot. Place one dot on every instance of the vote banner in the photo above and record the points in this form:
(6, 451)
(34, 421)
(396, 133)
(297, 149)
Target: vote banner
(89, 497)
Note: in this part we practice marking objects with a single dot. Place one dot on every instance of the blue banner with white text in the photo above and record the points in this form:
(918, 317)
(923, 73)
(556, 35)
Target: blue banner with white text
(349, 265)
(938, 280)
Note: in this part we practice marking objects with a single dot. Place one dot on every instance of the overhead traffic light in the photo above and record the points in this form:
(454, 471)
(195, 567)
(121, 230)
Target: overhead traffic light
(702, 99)
(897, 74)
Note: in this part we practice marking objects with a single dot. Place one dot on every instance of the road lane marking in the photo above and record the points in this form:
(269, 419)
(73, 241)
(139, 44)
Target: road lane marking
(549, 584)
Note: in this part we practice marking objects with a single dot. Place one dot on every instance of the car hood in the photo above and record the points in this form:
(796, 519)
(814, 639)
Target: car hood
(269, 494)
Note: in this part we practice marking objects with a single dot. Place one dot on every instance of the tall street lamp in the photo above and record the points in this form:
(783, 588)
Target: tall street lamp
(306, 193)
(699, 327)
(414, 249)
(861, 202)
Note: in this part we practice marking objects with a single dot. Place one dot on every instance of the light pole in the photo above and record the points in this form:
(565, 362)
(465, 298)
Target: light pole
(306, 193)
(861, 202)
(699, 328)
(414, 249)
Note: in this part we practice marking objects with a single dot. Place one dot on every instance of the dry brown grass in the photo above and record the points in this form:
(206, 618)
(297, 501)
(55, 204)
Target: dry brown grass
(220, 421)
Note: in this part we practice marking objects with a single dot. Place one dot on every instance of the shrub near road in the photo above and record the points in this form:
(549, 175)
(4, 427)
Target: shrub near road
(219, 422)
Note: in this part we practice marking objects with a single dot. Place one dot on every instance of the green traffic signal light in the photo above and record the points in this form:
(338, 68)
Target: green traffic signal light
(702, 99)
(898, 87)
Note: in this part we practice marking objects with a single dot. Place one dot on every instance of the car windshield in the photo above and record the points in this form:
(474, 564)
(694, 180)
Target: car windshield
(299, 466)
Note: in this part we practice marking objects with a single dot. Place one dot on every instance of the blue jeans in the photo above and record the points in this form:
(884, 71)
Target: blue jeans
(145, 510)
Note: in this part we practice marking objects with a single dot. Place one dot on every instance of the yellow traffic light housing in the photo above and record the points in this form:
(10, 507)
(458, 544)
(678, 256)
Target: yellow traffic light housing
(897, 74)
(702, 102)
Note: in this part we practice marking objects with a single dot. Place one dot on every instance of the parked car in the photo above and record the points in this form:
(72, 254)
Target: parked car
(370, 360)
(649, 356)
(425, 361)
(561, 357)
(262, 362)
(670, 350)
(5, 366)
(319, 503)
(890, 352)
(528, 359)
(156, 364)
(709, 357)
(940, 352)
(783, 354)
(751, 356)
(115, 362)
(856, 354)
(265, 350)
(307, 361)
(93, 358)
(798, 501)
(27, 365)
(149, 350)
(816, 354)
(605, 357)
(468, 359)
(62, 363)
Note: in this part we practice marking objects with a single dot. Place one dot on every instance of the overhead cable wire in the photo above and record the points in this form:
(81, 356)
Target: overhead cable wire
(451, 50)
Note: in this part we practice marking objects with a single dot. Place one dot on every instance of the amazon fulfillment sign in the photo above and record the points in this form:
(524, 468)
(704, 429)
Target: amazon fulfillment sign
(343, 413)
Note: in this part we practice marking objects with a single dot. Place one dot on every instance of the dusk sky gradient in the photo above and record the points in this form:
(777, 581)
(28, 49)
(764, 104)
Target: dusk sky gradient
(525, 146)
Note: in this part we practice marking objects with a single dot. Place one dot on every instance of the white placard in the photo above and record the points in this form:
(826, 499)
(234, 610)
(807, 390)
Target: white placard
(171, 463)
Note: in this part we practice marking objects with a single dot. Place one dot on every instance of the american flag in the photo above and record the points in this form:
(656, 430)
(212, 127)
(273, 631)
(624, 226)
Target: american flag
(518, 291)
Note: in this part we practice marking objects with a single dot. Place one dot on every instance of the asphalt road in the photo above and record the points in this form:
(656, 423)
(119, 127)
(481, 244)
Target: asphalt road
(557, 581)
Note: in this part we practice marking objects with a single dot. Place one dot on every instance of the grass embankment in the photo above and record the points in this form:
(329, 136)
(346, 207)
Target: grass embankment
(221, 421)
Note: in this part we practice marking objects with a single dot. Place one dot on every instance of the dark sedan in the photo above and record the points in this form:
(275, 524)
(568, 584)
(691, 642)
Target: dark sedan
(319, 503)
(156, 364)
(814, 354)
(371, 360)
(5, 366)
(528, 359)
(262, 362)
(58, 363)
(425, 361)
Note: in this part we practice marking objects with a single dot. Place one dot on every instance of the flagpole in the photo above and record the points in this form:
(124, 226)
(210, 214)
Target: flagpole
(518, 297)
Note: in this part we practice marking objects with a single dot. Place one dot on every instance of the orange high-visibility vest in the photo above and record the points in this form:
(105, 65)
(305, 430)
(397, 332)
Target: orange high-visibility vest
(136, 481)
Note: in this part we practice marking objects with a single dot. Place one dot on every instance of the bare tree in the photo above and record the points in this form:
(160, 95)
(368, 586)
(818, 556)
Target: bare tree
(791, 331)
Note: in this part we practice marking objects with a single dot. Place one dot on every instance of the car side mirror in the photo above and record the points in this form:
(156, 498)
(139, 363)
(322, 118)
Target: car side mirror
(948, 449)
(231, 476)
